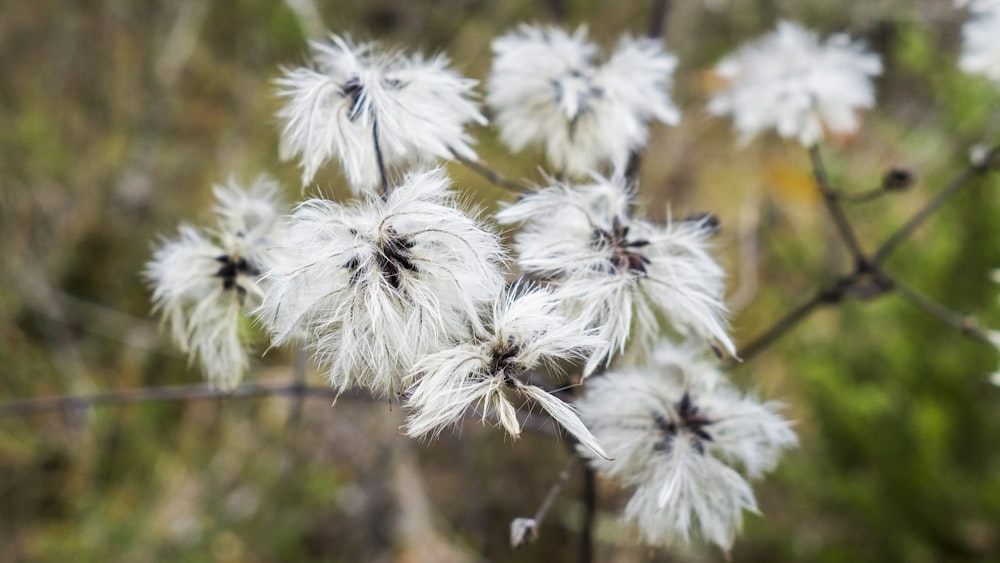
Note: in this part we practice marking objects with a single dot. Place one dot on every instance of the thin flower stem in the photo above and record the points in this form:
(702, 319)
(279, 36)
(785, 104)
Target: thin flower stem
(660, 17)
(299, 375)
(964, 324)
(779, 328)
(198, 392)
(491, 175)
(589, 494)
(379, 159)
(952, 188)
(833, 207)
(539, 424)
(557, 487)
(862, 197)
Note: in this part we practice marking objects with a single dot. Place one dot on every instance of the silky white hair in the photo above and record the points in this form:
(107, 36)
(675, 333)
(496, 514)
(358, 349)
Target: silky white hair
(677, 431)
(617, 272)
(373, 285)
(791, 81)
(547, 88)
(524, 332)
(203, 281)
(417, 107)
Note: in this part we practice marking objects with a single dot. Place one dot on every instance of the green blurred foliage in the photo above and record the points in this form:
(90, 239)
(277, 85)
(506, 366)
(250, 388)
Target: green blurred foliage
(116, 118)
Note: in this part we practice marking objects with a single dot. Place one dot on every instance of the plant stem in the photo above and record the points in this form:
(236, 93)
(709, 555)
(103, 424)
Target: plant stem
(589, 495)
(379, 160)
(491, 175)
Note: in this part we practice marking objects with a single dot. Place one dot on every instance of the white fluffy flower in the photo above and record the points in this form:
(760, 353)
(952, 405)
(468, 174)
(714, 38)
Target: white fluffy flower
(202, 282)
(981, 41)
(673, 431)
(977, 5)
(791, 81)
(358, 101)
(374, 284)
(546, 88)
(619, 272)
(524, 332)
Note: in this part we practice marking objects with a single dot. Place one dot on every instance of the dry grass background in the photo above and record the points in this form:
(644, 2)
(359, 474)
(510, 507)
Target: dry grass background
(116, 117)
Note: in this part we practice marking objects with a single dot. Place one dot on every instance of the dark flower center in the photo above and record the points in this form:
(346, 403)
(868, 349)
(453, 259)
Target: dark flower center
(355, 91)
(688, 420)
(574, 93)
(623, 255)
(504, 361)
(230, 270)
(393, 256)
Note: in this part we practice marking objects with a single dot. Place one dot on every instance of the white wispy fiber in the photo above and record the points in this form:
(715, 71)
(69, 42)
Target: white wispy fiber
(547, 88)
(620, 273)
(524, 332)
(678, 432)
(203, 281)
(792, 82)
(417, 107)
(981, 41)
(374, 284)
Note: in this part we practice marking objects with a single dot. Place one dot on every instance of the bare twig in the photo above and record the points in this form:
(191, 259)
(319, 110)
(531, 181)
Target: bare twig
(966, 325)
(491, 175)
(861, 197)
(779, 328)
(299, 375)
(295, 414)
(833, 206)
(198, 392)
(661, 15)
(525, 530)
(589, 510)
(537, 423)
(953, 187)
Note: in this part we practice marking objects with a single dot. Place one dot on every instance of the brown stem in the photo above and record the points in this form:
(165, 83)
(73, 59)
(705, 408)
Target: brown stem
(556, 488)
(491, 175)
(589, 495)
(833, 207)
(200, 392)
(782, 326)
(383, 178)
(660, 17)
(952, 188)
(965, 324)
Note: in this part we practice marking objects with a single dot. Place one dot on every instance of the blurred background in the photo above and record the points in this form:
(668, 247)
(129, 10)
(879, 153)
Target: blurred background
(117, 117)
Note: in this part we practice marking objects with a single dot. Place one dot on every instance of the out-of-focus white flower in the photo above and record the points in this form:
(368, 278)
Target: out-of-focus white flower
(358, 101)
(374, 284)
(525, 332)
(202, 282)
(977, 5)
(546, 88)
(617, 272)
(672, 431)
(981, 40)
(791, 81)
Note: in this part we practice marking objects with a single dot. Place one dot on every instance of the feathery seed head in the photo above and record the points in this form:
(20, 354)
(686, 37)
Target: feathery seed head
(674, 431)
(619, 273)
(362, 105)
(792, 82)
(375, 284)
(524, 332)
(202, 282)
(547, 88)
